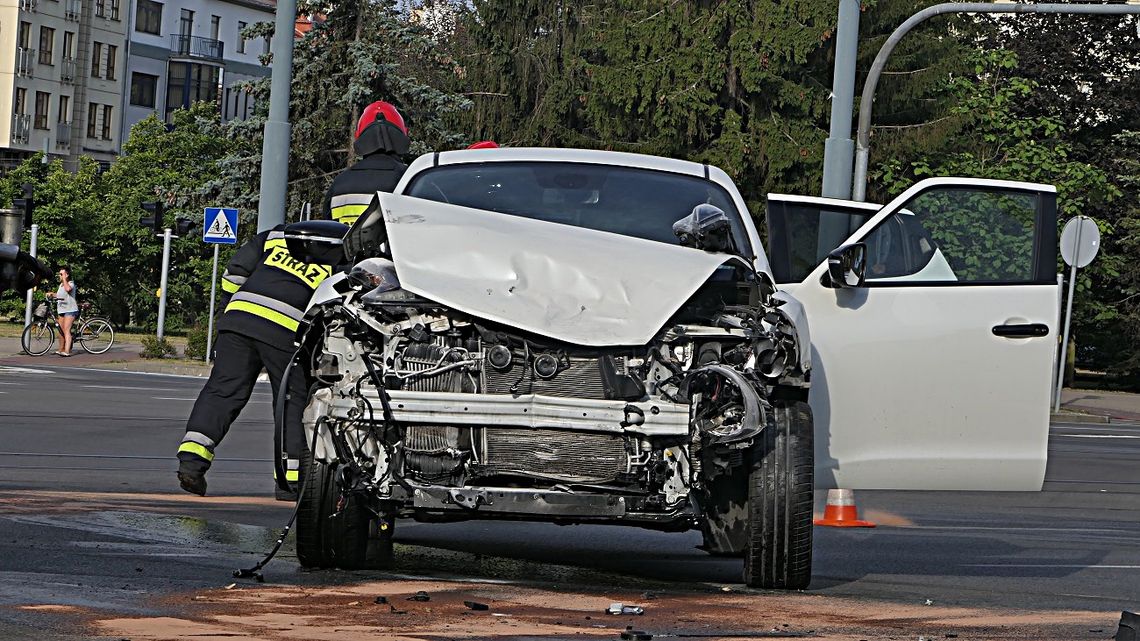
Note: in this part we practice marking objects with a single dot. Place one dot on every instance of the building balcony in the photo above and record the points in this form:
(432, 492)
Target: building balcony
(69, 70)
(63, 135)
(27, 5)
(196, 47)
(21, 128)
(73, 10)
(25, 61)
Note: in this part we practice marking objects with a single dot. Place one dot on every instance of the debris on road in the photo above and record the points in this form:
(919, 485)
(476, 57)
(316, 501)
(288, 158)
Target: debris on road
(621, 608)
(929, 602)
(381, 600)
(1129, 629)
(231, 586)
(475, 605)
(420, 596)
(629, 634)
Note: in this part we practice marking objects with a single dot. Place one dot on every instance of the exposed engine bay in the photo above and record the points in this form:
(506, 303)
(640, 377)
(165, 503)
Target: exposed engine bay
(435, 414)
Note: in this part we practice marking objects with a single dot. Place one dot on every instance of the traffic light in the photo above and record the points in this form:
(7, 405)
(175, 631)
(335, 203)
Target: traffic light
(182, 226)
(27, 204)
(154, 221)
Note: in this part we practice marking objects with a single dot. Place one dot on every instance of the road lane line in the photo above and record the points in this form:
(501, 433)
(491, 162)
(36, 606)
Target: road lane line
(1097, 436)
(147, 389)
(171, 398)
(1052, 565)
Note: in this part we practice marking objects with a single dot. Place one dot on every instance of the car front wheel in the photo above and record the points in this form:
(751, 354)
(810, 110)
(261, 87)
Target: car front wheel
(780, 486)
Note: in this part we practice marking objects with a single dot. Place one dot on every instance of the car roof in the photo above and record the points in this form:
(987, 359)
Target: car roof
(554, 154)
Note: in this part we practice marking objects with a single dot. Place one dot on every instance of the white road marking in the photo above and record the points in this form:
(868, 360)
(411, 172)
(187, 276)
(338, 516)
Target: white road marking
(1019, 529)
(1097, 436)
(5, 369)
(147, 389)
(1109, 427)
(2, 383)
(134, 373)
(1052, 565)
(171, 398)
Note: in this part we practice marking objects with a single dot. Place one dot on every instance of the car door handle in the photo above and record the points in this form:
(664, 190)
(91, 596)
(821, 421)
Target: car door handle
(1022, 330)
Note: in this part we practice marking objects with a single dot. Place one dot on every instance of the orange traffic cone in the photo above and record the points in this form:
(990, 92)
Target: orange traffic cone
(841, 511)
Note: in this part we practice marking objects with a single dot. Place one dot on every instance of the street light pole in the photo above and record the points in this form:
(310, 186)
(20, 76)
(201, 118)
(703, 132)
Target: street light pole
(839, 148)
(31, 250)
(863, 138)
(275, 147)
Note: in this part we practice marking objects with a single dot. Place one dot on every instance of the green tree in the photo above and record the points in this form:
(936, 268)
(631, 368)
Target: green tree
(175, 165)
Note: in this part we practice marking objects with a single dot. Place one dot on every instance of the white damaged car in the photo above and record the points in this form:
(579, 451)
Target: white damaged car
(597, 337)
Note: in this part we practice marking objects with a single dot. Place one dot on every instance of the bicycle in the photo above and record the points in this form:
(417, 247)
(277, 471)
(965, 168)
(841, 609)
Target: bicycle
(95, 335)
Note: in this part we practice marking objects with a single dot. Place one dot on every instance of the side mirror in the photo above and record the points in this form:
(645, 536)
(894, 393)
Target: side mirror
(706, 228)
(319, 242)
(847, 266)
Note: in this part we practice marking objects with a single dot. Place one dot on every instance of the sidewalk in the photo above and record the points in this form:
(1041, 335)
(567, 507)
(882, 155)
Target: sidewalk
(121, 356)
(1076, 404)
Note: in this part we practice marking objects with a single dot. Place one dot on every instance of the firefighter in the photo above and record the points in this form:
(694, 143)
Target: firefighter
(381, 138)
(264, 295)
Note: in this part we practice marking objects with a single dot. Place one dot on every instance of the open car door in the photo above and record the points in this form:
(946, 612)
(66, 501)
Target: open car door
(934, 373)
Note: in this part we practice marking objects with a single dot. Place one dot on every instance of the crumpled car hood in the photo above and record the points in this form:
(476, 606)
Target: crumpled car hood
(575, 285)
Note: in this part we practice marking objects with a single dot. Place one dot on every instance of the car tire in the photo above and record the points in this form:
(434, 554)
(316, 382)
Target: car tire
(351, 538)
(780, 496)
(317, 502)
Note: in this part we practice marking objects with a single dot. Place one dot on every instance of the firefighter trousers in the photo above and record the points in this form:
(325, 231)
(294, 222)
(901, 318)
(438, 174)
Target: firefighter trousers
(239, 361)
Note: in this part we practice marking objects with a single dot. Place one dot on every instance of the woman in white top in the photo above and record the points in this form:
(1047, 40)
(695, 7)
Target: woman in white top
(66, 306)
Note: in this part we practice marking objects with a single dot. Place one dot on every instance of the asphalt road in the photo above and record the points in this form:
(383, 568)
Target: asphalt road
(90, 514)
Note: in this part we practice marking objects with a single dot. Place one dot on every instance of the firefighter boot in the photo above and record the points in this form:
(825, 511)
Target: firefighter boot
(192, 476)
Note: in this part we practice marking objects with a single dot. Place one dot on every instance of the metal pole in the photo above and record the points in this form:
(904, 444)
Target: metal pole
(838, 150)
(1065, 339)
(275, 148)
(863, 138)
(162, 281)
(213, 290)
(31, 250)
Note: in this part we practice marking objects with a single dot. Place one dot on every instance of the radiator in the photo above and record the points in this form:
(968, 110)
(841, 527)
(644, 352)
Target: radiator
(581, 457)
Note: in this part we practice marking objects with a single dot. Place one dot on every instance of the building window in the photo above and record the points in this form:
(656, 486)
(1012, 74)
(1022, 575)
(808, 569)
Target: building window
(100, 8)
(112, 50)
(144, 87)
(21, 100)
(25, 36)
(215, 27)
(64, 109)
(241, 38)
(107, 112)
(186, 23)
(68, 44)
(149, 17)
(96, 58)
(92, 116)
(114, 9)
(188, 83)
(43, 101)
(47, 45)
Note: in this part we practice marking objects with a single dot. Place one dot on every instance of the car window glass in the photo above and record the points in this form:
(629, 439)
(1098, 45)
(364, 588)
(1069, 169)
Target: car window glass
(633, 202)
(956, 235)
(793, 245)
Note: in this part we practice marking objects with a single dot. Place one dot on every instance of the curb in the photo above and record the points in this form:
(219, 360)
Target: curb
(1073, 417)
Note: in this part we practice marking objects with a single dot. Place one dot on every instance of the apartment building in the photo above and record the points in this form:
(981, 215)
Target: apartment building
(186, 51)
(61, 78)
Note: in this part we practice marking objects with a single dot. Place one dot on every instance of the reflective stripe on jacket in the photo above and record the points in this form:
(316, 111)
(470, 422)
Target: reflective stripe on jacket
(354, 188)
(265, 290)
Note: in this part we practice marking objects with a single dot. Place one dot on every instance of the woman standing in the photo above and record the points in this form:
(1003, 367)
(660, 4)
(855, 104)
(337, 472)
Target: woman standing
(66, 306)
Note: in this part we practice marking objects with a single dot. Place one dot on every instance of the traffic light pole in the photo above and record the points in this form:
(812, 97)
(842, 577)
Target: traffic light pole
(31, 250)
(162, 286)
(275, 147)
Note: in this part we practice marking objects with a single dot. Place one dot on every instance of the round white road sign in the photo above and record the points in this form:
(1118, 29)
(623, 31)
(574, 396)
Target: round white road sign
(1080, 241)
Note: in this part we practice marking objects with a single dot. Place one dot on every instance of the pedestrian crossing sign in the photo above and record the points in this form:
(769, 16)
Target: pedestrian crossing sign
(220, 226)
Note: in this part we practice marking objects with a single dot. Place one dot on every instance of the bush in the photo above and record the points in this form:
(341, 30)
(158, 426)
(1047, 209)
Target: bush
(154, 348)
(196, 342)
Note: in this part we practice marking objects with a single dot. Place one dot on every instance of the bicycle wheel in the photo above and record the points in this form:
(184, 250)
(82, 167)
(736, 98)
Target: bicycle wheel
(96, 335)
(38, 338)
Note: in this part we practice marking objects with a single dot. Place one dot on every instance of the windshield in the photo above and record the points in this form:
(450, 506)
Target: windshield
(633, 202)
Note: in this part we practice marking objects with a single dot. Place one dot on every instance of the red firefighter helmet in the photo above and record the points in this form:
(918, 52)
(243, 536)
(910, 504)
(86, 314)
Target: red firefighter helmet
(380, 110)
(484, 144)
